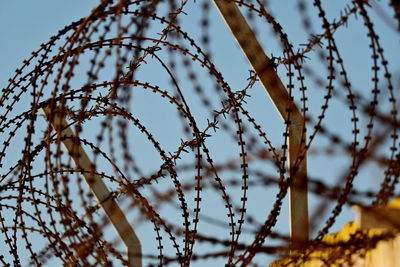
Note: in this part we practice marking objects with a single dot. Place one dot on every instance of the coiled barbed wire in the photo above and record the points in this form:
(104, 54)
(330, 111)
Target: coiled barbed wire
(183, 146)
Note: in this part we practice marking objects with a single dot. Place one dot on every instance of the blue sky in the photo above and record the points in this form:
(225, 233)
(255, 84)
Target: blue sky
(24, 25)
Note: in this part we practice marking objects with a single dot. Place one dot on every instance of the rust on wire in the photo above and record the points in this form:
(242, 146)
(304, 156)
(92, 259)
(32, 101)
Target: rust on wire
(148, 116)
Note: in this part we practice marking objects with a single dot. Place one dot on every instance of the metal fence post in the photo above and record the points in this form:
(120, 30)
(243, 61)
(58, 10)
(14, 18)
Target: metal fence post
(97, 186)
(280, 98)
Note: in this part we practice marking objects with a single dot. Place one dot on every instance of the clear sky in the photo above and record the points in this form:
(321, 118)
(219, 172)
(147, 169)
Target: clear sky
(25, 25)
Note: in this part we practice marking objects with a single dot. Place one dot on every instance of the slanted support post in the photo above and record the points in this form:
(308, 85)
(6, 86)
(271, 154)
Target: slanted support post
(272, 84)
(97, 186)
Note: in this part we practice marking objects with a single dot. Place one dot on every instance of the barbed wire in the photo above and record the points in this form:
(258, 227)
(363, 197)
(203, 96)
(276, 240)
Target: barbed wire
(100, 71)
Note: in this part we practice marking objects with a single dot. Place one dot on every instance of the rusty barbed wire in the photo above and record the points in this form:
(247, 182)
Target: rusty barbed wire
(179, 141)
